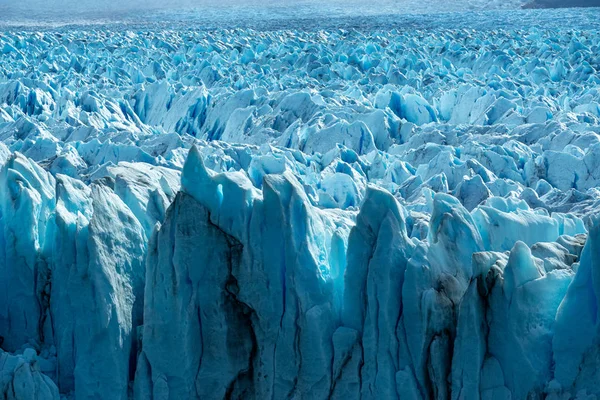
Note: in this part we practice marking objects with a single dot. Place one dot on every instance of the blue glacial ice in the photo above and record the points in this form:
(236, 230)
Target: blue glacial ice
(345, 214)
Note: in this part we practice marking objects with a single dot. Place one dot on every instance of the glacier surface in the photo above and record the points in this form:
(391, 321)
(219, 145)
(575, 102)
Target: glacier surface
(254, 214)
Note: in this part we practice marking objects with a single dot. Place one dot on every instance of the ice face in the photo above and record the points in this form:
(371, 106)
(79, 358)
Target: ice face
(296, 214)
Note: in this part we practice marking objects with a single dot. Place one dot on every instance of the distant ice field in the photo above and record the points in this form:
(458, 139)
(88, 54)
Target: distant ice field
(302, 15)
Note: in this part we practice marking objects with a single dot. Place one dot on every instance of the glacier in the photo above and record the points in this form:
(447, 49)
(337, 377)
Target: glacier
(308, 214)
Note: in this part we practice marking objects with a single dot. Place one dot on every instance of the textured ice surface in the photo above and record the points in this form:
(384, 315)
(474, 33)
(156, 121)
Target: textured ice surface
(300, 214)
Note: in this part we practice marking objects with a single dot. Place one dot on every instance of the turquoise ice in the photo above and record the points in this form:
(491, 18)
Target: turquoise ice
(297, 213)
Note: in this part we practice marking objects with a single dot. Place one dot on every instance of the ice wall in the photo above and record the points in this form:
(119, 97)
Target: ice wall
(441, 318)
